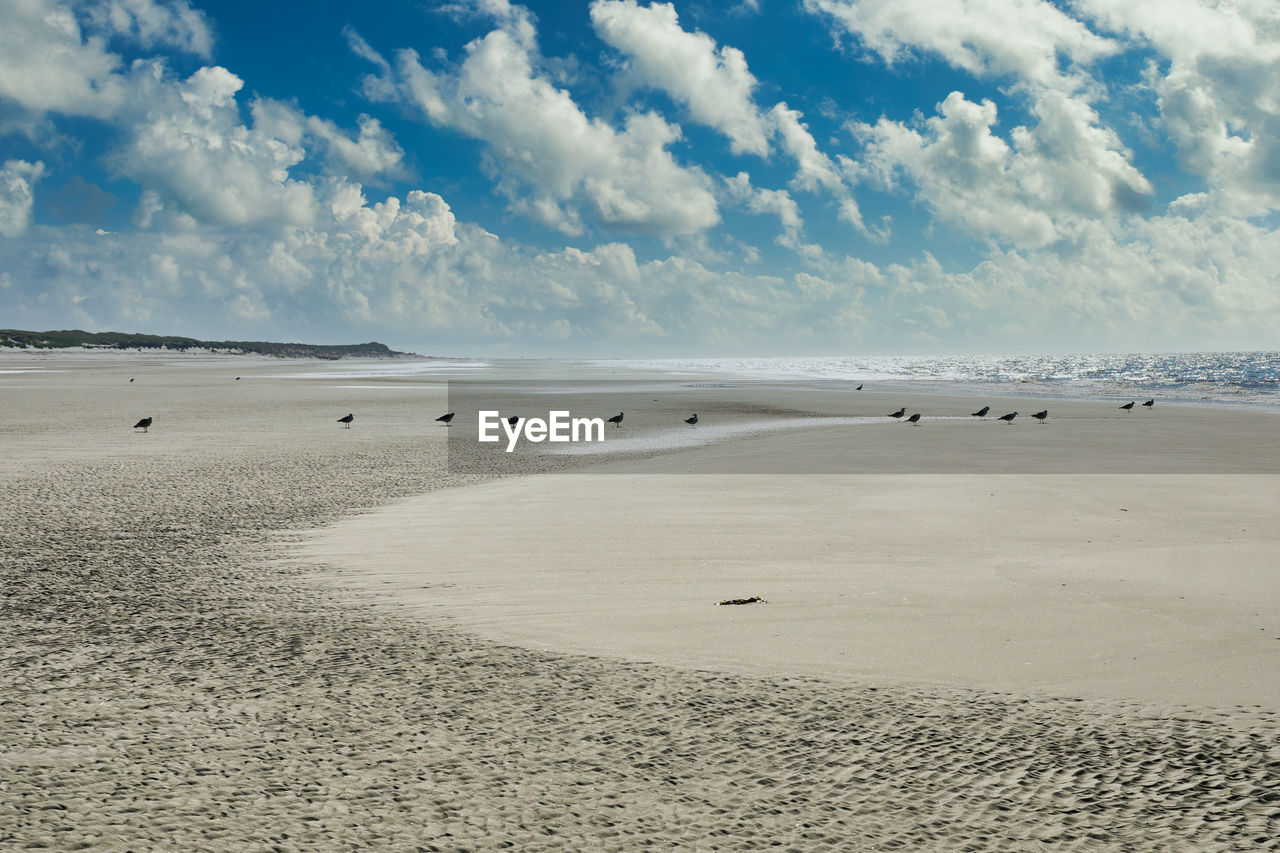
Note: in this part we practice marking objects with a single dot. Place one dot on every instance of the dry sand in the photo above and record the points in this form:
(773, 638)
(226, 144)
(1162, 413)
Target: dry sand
(173, 676)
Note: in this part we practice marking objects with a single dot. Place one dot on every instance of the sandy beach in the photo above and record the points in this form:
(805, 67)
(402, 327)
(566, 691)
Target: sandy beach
(252, 629)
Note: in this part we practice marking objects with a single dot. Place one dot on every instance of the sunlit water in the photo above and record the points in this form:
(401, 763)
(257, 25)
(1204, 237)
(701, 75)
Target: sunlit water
(1230, 378)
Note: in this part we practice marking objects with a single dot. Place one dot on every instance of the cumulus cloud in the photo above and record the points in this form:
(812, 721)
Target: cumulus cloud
(1054, 172)
(557, 164)
(17, 194)
(1218, 90)
(776, 202)
(713, 83)
(191, 149)
(1023, 39)
(47, 64)
(717, 88)
(813, 168)
(373, 153)
(356, 262)
(155, 24)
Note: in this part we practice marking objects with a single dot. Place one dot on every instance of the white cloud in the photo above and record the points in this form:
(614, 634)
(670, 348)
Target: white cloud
(555, 163)
(1218, 89)
(17, 194)
(192, 150)
(1020, 38)
(355, 263)
(407, 269)
(713, 83)
(1191, 30)
(717, 88)
(813, 168)
(776, 202)
(152, 24)
(372, 154)
(1063, 168)
(48, 65)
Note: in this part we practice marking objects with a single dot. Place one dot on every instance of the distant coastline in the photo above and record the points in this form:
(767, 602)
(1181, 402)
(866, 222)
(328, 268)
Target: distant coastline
(76, 338)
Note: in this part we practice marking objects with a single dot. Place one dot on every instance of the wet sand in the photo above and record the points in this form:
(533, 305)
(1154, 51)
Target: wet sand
(176, 676)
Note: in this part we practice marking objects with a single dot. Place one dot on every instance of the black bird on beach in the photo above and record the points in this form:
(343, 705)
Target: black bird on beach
(981, 413)
(346, 421)
(899, 413)
(914, 419)
(1009, 417)
(445, 419)
(693, 421)
(1149, 403)
(130, 378)
(1128, 406)
(859, 388)
(1040, 416)
(616, 420)
(237, 378)
(513, 420)
(143, 424)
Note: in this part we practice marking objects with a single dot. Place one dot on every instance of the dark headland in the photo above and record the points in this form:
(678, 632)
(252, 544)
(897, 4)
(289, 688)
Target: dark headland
(18, 339)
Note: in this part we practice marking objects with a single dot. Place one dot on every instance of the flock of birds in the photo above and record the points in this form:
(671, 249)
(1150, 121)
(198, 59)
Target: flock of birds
(1041, 416)
(692, 420)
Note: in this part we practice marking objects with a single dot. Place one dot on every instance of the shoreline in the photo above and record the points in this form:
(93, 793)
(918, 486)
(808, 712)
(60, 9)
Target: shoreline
(426, 367)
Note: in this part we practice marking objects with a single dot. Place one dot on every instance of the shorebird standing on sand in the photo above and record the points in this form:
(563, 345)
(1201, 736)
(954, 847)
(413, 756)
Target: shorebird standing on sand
(446, 419)
(1041, 416)
(346, 421)
(1009, 417)
(981, 413)
(143, 424)
(1149, 403)
(899, 413)
(693, 421)
(513, 420)
(914, 419)
(1128, 407)
(616, 420)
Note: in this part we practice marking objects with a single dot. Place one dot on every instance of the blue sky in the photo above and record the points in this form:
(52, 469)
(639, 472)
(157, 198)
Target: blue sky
(630, 178)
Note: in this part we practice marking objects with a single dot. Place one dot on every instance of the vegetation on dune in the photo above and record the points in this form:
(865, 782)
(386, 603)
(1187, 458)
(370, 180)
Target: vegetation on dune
(16, 338)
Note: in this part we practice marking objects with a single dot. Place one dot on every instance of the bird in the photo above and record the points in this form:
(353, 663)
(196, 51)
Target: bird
(1041, 416)
(237, 378)
(859, 388)
(513, 420)
(1128, 406)
(616, 420)
(130, 378)
(693, 421)
(143, 424)
(346, 421)
(1149, 403)
(899, 413)
(981, 413)
(914, 419)
(445, 419)
(1009, 417)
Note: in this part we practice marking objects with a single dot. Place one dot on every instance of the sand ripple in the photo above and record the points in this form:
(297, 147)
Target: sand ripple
(162, 687)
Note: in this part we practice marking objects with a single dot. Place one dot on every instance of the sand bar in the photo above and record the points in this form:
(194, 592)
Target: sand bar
(980, 565)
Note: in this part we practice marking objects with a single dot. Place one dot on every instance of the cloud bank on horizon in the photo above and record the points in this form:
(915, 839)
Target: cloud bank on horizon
(627, 178)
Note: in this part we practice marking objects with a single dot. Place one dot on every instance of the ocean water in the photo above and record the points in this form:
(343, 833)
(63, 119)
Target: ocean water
(1249, 379)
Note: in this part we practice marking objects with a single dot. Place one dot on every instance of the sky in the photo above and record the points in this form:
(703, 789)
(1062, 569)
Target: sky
(619, 178)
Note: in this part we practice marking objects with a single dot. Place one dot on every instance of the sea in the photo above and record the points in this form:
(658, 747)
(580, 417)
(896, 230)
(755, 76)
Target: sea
(1236, 379)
